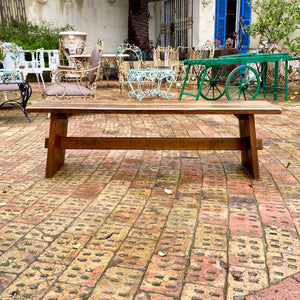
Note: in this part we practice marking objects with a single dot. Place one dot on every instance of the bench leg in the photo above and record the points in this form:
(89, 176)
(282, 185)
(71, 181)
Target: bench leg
(249, 156)
(56, 155)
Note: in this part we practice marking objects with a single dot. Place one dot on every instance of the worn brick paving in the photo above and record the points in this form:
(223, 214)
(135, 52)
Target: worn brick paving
(104, 227)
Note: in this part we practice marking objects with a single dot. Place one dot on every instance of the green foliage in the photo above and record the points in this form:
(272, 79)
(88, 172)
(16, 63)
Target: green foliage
(293, 45)
(2, 55)
(276, 19)
(30, 36)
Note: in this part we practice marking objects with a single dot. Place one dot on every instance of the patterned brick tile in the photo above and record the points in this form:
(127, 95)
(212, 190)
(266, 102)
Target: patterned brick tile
(151, 296)
(283, 240)
(135, 253)
(87, 267)
(217, 195)
(164, 275)
(136, 196)
(268, 196)
(148, 226)
(5, 280)
(109, 237)
(175, 241)
(197, 291)
(72, 207)
(160, 201)
(245, 224)
(12, 232)
(88, 190)
(117, 283)
(156, 210)
(159, 190)
(177, 221)
(21, 255)
(34, 281)
(277, 215)
(125, 214)
(242, 204)
(211, 237)
(213, 213)
(293, 206)
(54, 225)
(247, 252)
(213, 176)
(87, 223)
(282, 265)
(189, 188)
(101, 206)
(8, 213)
(34, 214)
(186, 200)
(242, 187)
(64, 249)
(25, 201)
(168, 176)
(243, 281)
(62, 291)
(116, 187)
(206, 268)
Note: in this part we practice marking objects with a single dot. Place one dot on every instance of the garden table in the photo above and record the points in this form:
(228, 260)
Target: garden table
(153, 79)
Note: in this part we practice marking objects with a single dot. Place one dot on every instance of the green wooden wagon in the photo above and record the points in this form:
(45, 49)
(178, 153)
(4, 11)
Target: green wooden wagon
(243, 82)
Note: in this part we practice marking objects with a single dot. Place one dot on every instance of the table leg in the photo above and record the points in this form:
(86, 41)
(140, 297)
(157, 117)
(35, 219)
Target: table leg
(249, 156)
(56, 155)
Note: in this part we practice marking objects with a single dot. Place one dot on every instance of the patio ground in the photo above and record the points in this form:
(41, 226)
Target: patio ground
(105, 227)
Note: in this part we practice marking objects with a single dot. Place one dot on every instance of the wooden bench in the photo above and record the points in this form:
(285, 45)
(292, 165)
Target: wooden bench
(247, 143)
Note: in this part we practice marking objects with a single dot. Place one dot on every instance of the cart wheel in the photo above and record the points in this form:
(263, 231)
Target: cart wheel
(243, 81)
(213, 87)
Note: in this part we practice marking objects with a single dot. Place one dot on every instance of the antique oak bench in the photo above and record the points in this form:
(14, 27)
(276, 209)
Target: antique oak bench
(247, 143)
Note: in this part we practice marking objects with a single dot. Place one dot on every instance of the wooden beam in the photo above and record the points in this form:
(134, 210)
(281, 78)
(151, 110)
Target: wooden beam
(140, 143)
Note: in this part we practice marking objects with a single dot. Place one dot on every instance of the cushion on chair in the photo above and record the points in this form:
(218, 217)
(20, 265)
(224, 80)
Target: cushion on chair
(93, 64)
(9, 87)
(71, 90)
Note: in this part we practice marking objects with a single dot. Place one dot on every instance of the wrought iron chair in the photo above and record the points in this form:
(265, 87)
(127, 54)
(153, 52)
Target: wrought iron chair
(179, 69)
(128, 57)
(72, 82)
(206, 50)
(163, 57)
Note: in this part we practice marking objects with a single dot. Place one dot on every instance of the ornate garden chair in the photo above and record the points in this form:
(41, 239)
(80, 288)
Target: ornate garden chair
(72, 82)
(128, 57)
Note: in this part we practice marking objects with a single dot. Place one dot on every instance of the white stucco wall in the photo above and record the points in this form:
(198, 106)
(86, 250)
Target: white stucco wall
(204, 21)
(95, 17)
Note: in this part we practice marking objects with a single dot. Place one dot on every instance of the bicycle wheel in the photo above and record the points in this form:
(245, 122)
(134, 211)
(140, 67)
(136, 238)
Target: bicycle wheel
(244, 82)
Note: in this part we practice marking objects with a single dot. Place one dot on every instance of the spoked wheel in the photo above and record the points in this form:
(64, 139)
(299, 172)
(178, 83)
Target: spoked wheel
(243, 82)
(213, 87)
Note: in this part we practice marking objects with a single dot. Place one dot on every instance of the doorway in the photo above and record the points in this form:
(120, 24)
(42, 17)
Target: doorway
(231, 16)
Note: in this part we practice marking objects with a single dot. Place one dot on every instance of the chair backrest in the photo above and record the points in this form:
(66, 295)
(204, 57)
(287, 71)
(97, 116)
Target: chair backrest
(11, 61)
(130, 53)
(181, 53)
(207, 50)
(128, 57)
(95, 60)
(163, 57)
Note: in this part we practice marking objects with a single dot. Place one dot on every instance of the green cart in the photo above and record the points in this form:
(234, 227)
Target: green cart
(243, 82)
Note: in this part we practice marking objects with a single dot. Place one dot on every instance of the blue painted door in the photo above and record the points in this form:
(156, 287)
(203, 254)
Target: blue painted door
(227, 12)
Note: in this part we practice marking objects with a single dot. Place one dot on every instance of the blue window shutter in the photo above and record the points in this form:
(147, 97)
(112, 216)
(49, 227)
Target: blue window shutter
(245, 12)
(220, 21)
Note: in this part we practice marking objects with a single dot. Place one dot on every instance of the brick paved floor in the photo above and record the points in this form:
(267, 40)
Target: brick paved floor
(105, 228)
